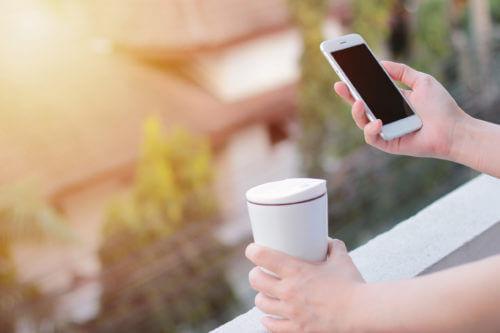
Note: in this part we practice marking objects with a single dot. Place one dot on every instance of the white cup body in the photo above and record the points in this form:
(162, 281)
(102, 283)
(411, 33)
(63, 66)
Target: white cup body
(298, 229)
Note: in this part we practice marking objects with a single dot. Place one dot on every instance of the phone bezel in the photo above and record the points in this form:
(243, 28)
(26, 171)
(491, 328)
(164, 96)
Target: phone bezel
(391, 130)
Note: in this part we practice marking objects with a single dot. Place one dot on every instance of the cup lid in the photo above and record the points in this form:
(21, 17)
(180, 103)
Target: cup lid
(287, 191)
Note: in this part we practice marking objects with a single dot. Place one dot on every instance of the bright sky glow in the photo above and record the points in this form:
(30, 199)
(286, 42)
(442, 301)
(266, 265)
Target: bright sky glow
(32, 25)
(28, 30)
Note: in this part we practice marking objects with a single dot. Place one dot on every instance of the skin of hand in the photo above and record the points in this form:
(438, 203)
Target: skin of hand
(302, 293)
(439, 112)
(447, 132)
(332, 297)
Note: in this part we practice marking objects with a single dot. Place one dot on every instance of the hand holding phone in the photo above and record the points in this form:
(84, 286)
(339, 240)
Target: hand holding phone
(428, 98)
(355, 64)
(437, 109)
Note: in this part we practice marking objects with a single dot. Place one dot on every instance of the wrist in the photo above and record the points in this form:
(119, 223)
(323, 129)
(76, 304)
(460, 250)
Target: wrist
(380, 308)
(368, 309)
(463, 140)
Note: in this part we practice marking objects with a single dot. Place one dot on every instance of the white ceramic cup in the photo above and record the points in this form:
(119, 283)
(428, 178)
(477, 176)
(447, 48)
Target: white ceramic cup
(291, 216)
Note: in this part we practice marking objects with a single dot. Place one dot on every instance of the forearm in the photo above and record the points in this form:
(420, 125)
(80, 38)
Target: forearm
(462, 299)
(477, 145)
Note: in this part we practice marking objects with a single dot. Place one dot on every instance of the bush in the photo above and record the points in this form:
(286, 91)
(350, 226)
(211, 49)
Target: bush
(163, 269)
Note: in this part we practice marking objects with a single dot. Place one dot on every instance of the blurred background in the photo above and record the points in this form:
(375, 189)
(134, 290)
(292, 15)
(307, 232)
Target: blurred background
(131, 129)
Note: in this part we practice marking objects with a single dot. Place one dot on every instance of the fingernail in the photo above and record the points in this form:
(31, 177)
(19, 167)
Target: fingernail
(250, 250)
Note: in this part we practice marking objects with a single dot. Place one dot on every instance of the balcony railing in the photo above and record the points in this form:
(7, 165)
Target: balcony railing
(462, 226)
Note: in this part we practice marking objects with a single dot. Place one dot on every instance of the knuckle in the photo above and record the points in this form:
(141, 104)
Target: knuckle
(259, 300)
(405, 69)
(289, 291)
(368, 138)
(340, 243)
(427, 79)
(354, 113)
(253, 277)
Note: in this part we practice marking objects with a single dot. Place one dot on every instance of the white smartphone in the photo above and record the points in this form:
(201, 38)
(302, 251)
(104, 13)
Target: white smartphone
(355, 64)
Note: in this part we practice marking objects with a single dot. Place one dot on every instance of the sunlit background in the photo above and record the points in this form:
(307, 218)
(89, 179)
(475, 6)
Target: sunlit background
(130, 131)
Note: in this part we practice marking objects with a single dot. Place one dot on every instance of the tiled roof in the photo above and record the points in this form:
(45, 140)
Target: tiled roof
(184, 24)
(81, 115)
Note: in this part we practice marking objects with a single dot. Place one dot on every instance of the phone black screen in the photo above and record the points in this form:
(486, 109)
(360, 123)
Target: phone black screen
(372, 83)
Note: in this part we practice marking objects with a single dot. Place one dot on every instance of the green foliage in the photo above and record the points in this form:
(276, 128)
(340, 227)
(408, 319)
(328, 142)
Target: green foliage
(371, 20)
(495, 10)
(162, 264)
(326, 128)
(432, 41)
(373, 191)
(172, 185)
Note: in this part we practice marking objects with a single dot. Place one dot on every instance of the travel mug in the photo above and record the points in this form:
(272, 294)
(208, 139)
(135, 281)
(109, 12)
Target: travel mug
(291, 216)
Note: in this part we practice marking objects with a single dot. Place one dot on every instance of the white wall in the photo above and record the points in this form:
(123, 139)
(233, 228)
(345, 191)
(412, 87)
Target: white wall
(248, 160)
(254, 66)
(251, 67)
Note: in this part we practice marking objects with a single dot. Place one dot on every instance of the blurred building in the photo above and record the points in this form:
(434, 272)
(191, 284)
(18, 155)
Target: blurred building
(72, 121)
(167, 28)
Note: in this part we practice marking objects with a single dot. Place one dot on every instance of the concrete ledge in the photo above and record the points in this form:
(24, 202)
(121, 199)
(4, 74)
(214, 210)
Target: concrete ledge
(460, 227)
